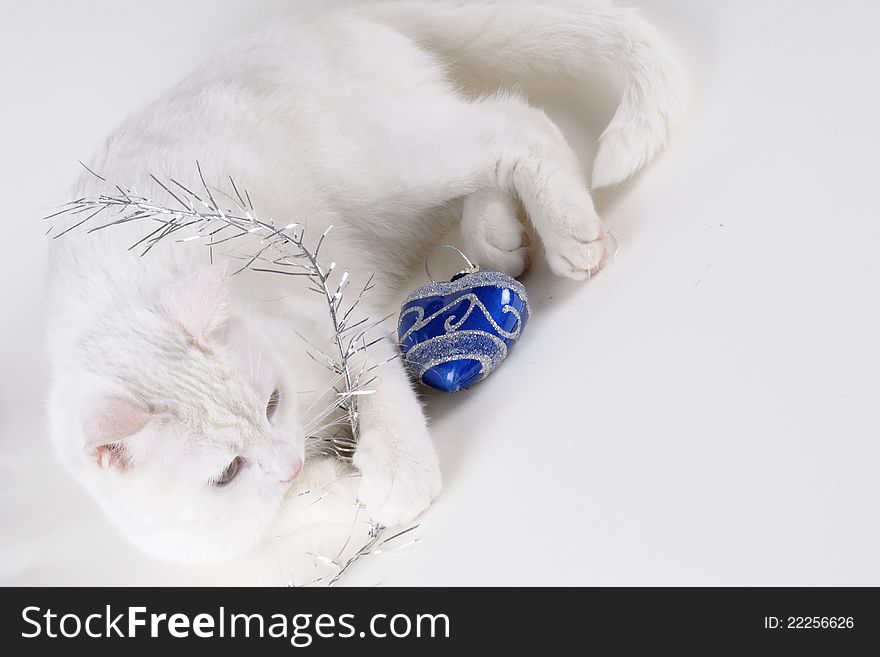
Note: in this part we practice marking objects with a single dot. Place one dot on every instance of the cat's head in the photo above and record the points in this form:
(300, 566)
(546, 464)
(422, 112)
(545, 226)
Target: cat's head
(177, 414)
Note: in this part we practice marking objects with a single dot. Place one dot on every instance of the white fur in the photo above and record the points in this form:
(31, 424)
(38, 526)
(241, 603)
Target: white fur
(347, 116)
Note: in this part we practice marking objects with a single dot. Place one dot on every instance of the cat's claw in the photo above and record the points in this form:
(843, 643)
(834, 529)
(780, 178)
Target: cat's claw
(576, 248)
(577, 259)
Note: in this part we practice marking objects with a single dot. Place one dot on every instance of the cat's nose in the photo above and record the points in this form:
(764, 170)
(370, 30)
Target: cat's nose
(294, 472)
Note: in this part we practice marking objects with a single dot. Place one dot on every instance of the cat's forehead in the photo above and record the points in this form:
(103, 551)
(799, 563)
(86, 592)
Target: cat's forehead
(214, 391)
(228, 422)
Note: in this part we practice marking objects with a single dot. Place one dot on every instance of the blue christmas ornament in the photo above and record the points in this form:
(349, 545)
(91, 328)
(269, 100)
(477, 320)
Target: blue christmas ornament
(455, 333)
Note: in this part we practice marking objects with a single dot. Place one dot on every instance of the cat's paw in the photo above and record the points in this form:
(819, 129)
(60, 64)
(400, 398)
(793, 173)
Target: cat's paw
(493, 236)
(508, 253)
(576, 248)
(396, 484)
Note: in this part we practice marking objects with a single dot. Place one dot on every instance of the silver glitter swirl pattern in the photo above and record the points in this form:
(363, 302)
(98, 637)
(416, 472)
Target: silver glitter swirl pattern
(477, 279)
(451, 324)
(480, 346)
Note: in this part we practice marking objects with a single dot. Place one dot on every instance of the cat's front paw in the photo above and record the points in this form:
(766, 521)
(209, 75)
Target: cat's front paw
(577, 249)
(397, 482)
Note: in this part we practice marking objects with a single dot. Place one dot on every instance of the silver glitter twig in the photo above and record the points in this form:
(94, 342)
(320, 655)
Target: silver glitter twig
(373, 545)
(282, 251)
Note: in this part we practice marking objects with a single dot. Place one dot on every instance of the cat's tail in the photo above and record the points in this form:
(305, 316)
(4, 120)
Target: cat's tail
(508, 42)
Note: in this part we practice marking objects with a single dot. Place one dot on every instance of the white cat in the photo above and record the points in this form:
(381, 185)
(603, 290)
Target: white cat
(181, 396)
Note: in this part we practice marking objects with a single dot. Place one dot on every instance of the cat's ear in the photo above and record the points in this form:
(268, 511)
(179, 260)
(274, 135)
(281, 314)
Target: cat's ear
(110, 423)
(199, 303)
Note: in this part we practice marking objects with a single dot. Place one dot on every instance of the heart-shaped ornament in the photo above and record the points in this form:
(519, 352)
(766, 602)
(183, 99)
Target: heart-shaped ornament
(454, 334)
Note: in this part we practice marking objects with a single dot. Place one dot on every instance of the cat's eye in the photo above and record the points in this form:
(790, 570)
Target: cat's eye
(229, 472)
(272, 404)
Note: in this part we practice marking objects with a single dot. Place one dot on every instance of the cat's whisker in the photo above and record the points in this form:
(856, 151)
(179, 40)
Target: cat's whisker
(322, 416)
(330, 386)
(340, 421)
(333, 401)
(320, 422)
(331, 383)
(266, 341)
(323, 424)
(250, 347)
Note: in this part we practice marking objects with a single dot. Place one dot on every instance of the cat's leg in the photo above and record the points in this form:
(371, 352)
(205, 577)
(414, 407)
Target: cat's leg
(531, 158)
(492, 235)
(400, 474)
(490, 152)
(504, 145)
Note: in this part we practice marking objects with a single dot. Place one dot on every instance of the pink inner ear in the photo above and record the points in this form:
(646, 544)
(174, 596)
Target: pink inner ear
(108, 456)
(200, 304)
(114, 420)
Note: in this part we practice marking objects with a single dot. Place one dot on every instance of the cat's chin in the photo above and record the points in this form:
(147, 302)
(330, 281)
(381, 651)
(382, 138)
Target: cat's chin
(189, 554)
(186, 552)
(201, 536)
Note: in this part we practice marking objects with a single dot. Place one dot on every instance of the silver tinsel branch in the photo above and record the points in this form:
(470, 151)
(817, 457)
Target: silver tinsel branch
(282, 250)
(377, 542)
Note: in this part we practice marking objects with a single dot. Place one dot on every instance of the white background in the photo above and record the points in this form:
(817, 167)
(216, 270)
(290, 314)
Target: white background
(704, 412)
